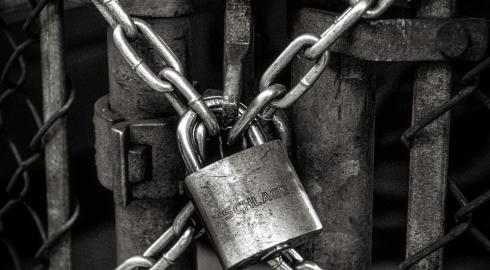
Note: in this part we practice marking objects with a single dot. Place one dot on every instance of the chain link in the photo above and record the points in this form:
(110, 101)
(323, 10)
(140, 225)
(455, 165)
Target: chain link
(377, 10)
(343, 23)
(121, 18)
(294, 261)
(195, 100)
(127, 29)
(137, 63)
(180, 230)
(256, 106)
(307, 46)
(293, 49)
(275, 97)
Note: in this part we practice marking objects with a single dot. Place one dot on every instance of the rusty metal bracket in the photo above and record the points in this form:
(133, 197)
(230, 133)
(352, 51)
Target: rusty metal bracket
(404, 39)
(238, 54)
(130, 154)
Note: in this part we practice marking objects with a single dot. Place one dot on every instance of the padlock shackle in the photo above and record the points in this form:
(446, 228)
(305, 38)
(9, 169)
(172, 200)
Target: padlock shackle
(191, 158)
(186, 133)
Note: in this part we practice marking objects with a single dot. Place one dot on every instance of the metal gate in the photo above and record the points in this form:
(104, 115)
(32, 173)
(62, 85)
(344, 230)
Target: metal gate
(332, 125)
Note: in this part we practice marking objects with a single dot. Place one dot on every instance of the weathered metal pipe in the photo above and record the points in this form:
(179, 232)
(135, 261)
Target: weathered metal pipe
(333, 124)
(56, 148)
(154, 200)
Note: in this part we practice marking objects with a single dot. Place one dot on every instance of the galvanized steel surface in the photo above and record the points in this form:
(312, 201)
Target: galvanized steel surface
(238, 58)
(251, 202)
(56, 147)
(404, 39)
(55, 108)
(429, 152)
(428, 164)
(158, 8)
(464, 216)
(333, 124)
(238, 255)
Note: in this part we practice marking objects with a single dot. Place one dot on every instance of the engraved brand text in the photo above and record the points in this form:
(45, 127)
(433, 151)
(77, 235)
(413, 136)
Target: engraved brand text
(251, 202)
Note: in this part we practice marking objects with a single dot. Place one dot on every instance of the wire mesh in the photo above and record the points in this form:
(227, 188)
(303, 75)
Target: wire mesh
(19, 183)
(464, 215)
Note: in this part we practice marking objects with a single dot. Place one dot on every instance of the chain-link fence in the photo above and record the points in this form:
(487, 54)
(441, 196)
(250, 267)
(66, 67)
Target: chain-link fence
(15, 198)
(468, 87)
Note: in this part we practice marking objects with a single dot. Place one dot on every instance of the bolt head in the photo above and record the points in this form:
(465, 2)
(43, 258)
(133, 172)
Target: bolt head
(452, 40)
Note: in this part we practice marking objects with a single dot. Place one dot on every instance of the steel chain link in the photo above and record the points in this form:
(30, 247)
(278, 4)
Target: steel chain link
(180, 230)
(170, 77)
(343, 23)
(377, 10)
(308, 46)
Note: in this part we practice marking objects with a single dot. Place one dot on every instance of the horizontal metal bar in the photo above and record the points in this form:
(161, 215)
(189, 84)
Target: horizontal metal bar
(403, 39)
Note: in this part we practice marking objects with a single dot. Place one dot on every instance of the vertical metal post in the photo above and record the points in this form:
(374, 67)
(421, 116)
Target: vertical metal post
(238, 68)
(56, 149)
(144, 218)
(429, 151)
(333, 125)
(128, 95)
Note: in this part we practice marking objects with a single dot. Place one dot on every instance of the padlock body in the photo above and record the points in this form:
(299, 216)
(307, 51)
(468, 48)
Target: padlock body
(251, 203)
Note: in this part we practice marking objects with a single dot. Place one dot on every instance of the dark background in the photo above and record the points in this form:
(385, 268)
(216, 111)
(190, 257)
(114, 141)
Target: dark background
(86, 62)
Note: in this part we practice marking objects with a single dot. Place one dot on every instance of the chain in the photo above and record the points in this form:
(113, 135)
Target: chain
(275, 257)
(379, 8)
(308, 46)
(257, 105)
(265, 108)
(290, 259)
(293, 49)
(274, 96)
(19, 184)
(341, 25)
(128, 29)
(180, 230)
(172, 77)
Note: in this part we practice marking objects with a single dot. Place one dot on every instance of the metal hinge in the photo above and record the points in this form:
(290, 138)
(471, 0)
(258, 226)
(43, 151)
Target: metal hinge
(133, 156)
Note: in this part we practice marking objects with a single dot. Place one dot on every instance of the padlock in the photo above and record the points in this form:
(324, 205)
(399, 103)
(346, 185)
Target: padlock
(252, 202)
